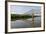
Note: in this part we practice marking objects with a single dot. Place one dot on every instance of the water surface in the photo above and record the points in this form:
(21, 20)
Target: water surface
(26, 23)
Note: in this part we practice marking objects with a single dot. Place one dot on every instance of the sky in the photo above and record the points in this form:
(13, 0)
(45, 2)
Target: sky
(21, 9)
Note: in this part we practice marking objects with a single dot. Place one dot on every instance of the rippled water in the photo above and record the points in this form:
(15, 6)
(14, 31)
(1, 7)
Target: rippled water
(26, 23)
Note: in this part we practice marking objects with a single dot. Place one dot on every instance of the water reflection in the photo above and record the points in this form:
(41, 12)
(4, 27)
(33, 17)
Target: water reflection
(26, 23)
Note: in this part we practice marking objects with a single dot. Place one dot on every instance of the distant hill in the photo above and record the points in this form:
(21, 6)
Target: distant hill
(35, 13)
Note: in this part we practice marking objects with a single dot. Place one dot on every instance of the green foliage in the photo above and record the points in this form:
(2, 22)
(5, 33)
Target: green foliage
(16, 16)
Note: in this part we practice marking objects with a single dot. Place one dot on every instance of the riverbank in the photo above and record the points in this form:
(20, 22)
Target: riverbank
(17, 17)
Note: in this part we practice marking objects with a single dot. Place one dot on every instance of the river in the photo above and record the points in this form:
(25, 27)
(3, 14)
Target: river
(26, 23)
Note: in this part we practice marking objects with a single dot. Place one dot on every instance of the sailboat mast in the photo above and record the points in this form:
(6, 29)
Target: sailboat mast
(32, 18)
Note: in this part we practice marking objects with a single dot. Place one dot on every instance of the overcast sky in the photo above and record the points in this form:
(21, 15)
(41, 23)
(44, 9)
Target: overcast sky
(21, 9)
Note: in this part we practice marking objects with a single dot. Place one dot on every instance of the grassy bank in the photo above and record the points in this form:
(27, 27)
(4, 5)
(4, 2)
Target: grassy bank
(16, 16)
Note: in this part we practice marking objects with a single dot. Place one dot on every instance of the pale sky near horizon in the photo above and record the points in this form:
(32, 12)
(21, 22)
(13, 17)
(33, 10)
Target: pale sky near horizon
(20, 9)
